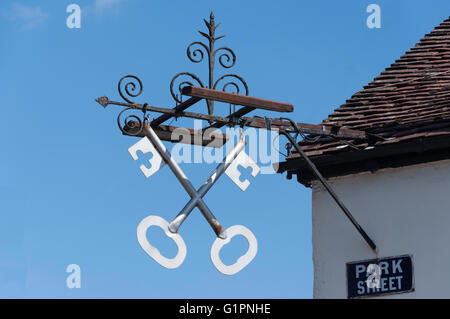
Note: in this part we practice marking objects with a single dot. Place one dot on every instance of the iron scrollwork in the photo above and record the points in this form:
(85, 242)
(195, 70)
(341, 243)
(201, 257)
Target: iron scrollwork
(196, 52)
(130, 86)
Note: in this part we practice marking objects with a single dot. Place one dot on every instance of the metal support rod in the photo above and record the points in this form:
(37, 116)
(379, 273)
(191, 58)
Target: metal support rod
(171, 112)
(325, 184)
(256, 122)
(221, 168)
(218, 229)
(179, 108)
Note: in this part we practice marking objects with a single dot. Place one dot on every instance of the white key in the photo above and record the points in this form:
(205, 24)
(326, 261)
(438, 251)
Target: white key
(233, 173)
(242, 261)
(145, 146)
(152, 251)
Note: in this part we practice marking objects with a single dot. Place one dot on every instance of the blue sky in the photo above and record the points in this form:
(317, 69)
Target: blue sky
(71, 194)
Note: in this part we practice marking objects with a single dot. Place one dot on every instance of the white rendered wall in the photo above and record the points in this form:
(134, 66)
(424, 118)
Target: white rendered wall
(404, 210)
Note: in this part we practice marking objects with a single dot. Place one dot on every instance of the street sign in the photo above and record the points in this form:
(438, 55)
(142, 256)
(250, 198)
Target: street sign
(374, 277)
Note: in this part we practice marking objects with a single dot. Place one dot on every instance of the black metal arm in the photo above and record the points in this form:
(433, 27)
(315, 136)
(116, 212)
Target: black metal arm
(327, 186)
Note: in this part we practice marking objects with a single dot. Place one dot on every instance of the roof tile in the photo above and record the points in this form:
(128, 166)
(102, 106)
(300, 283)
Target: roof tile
(409, 100)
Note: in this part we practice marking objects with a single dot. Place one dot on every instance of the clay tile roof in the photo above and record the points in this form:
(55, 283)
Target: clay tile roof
(409, 100)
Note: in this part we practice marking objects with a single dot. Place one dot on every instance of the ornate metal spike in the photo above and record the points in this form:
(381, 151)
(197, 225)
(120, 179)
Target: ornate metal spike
(130, 86)
(103, 101)
(227, 59)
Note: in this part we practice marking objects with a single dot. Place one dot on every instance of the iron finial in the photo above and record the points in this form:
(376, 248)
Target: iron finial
(196, 51)
(103, 101)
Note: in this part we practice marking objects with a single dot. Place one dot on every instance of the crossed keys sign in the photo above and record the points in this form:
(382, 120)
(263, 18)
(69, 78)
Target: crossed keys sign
(229, 165)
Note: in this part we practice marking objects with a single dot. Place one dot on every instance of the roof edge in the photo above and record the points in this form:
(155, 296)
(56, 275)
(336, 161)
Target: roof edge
(417, 151)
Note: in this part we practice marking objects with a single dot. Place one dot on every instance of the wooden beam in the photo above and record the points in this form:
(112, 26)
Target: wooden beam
(179, 108)
(184, 135)
(237, 99)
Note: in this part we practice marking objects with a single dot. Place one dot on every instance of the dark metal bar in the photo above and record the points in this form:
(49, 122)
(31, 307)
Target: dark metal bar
(104, 101)
(237, 99)
(316, 129)
(256, 122)
(235, 115)
(180, 107)
(325, 184)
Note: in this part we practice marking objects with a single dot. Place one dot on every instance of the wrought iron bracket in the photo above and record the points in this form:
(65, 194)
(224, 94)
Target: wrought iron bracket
(130, 87)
